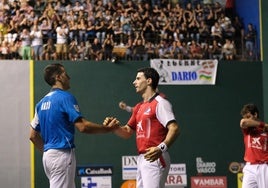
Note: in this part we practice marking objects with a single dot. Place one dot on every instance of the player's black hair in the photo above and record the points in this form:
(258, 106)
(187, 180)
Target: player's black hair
(250, 108)
(51, 71)
(150, 73)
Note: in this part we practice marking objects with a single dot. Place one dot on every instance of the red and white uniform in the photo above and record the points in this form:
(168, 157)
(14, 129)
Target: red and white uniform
(150, 119)
(256, 157)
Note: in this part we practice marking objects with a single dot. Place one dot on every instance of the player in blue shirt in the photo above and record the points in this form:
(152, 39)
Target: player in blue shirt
(53, 128)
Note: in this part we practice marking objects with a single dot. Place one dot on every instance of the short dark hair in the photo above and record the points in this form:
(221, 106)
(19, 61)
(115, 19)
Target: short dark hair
(150, 73)
(250, 108)
(51, 71)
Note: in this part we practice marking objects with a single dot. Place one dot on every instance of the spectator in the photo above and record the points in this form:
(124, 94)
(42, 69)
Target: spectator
(90, 32)
(14, 47)
(46, 28)
(62, 41)
(108, 46)
(139, 51)
(216, 32)
(73, 51)
(25, 44)
(37, 42)
(96, 51)
(4, 50)
(228, 50)
(215, 50)
(250, 41)
(196, 51)
(129, 49)
(49, 52)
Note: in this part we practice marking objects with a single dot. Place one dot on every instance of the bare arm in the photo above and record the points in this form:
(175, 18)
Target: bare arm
(121, 131)
(245, 123)
(89, 127)
(36, 139)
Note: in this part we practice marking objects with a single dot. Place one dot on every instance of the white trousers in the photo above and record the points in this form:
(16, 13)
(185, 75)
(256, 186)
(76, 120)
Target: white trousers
(59, 166)
(255, 176)
(152, 174)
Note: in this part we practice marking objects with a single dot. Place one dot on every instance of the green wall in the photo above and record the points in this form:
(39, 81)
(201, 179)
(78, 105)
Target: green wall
(208, 115)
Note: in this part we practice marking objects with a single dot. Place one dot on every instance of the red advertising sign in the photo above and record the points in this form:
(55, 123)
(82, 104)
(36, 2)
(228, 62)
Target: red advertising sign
(209, 182)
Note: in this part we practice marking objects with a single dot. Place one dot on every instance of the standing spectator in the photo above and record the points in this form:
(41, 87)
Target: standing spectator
(90, 32)
(46, 28)
(25, 44)
(149, 31)
(139, 49)
(156, 130)
(62, 41)
(108, 46)
(129, 49)
(37, 42)
(250, 41)
(100, 27)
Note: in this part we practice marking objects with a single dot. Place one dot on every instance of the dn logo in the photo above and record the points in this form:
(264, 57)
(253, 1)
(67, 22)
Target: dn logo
(45, 105)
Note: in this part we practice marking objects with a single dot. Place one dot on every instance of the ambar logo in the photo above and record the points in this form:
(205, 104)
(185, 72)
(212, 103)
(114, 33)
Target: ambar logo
(209, 182)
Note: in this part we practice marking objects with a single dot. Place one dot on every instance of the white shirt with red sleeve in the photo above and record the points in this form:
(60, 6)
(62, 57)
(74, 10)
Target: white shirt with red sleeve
(149, 120)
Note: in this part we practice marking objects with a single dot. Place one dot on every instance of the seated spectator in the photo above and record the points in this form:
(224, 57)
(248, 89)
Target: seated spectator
(96, 50)
(215, 50)
(49, 52)
(73, 51)
(195, 50)
(83, 51)
(4, 50)
(216, 32)
(228, 50)
(14, 47)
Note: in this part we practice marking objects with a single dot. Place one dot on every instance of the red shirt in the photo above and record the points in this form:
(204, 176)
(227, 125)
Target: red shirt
(256, 143)
(149, 120)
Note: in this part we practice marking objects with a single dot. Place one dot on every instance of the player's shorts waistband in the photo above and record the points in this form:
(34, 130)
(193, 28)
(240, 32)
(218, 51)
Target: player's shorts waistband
(256, 163)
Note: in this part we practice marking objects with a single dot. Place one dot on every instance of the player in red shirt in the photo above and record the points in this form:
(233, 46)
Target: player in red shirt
(156, 129)
(256, 148)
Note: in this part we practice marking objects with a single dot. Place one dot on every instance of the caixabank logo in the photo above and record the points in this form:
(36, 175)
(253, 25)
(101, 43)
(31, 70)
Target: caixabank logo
(94, 171)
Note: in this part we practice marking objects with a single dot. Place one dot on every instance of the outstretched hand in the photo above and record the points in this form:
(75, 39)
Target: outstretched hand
(111, 122)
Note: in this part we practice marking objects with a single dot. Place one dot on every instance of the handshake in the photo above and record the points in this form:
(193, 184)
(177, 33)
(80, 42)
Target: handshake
(111, 122)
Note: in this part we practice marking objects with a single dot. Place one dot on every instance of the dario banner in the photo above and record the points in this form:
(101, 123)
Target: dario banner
(209, 182)
(185, 72)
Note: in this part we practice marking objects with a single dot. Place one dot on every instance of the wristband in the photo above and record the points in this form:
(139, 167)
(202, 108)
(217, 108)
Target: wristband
(163, 147)
(261, 125)
(128, 109)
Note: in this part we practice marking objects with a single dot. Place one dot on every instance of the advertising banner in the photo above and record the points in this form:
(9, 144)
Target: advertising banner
(185, 72)
(99, 176)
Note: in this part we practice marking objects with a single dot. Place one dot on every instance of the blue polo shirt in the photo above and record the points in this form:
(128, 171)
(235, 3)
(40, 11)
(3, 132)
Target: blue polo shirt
(55, 115)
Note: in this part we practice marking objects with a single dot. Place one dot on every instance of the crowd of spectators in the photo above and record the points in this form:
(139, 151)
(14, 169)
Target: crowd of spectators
(91, 29)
